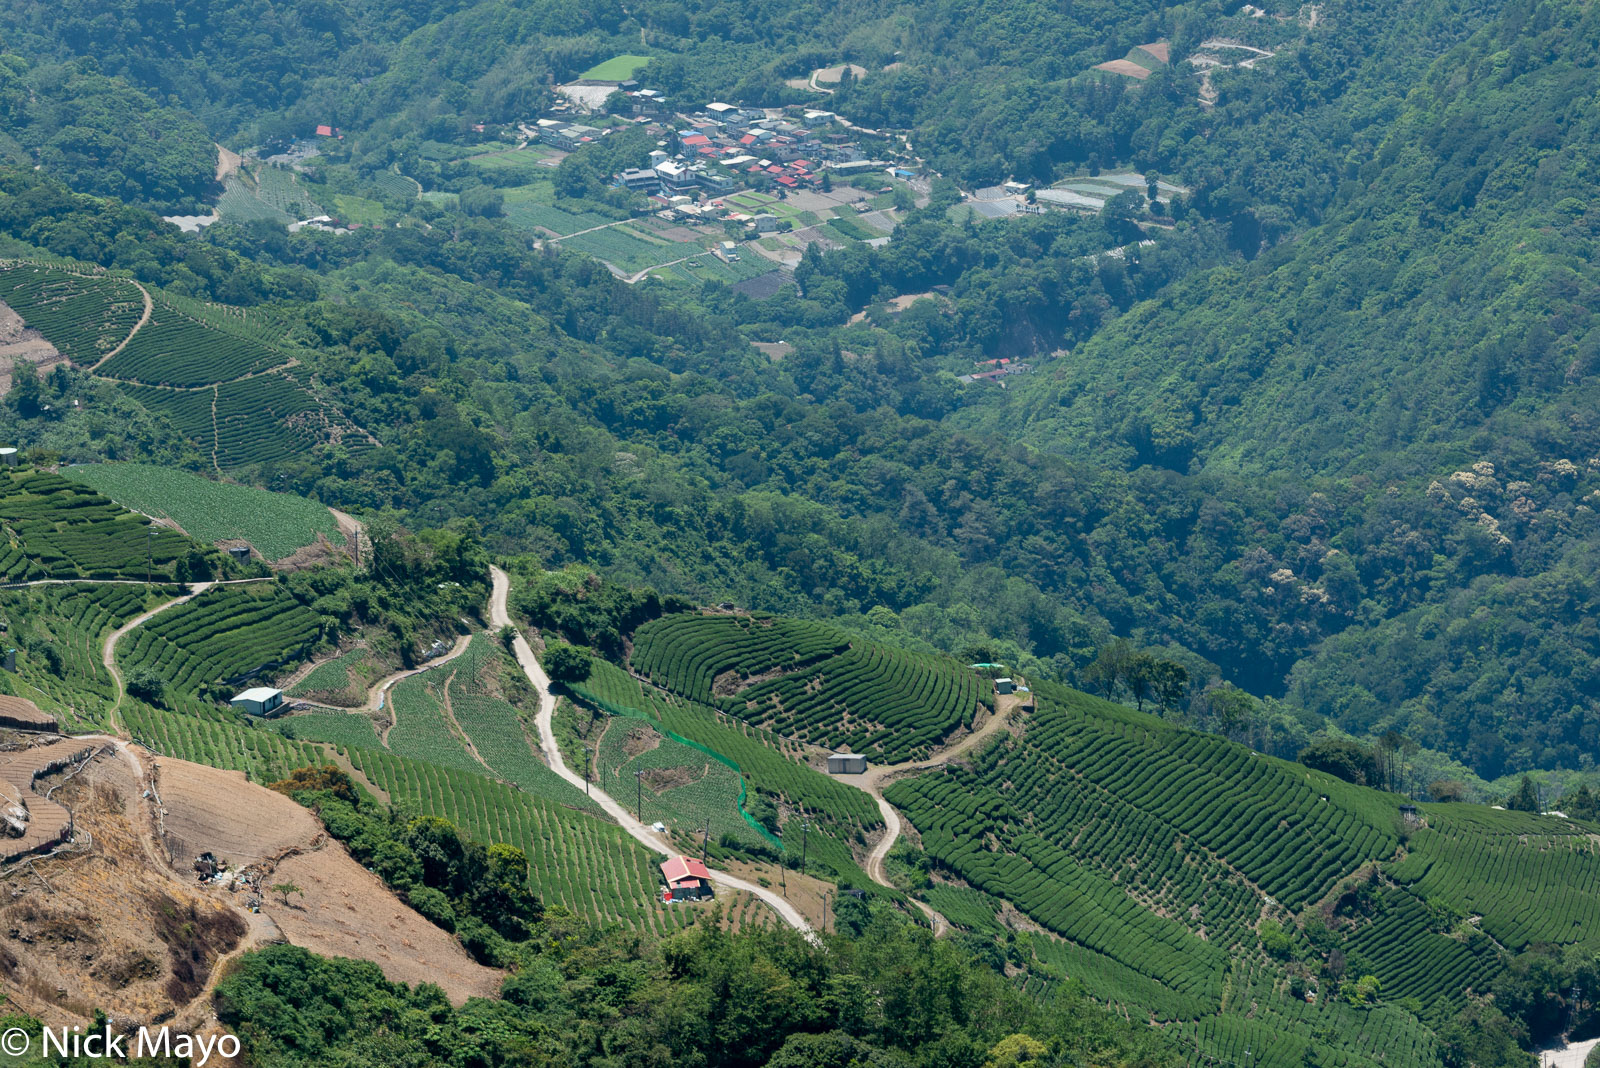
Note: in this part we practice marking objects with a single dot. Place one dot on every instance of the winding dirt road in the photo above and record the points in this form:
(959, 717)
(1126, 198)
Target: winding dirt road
(108, 652)
(876, 778)
(143, 318)
(500, 617)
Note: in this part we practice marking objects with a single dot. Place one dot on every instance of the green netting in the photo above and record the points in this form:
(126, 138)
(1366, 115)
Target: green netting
(633, 713)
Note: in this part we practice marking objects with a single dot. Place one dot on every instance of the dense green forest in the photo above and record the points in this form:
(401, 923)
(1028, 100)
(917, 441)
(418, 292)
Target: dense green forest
(1323, 440)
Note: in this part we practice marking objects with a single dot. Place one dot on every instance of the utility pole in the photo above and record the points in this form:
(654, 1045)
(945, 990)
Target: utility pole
(705, 843)
(825, 912)
(586, 752)
(149, 554)
(638, 805)
(805, 828)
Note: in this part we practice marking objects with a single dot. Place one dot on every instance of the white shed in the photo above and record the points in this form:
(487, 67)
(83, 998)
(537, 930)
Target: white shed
(259, 701)
(846, 764)
(1004, 686)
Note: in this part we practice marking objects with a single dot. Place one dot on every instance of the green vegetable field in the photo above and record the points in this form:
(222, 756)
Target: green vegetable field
(340, 681)
(680, 786)
(275, 524)
(420, 729)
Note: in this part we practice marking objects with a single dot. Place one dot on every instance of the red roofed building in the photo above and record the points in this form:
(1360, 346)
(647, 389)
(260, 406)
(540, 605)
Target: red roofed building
(695, 140)
(687, 879)
(324, 131)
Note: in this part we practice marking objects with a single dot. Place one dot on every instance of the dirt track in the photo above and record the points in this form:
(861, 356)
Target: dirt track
(108, 654)
(500, 617)
(876, 778)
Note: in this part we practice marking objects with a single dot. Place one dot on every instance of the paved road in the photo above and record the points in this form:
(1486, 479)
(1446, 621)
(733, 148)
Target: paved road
(500, 617)
(1571, 1055)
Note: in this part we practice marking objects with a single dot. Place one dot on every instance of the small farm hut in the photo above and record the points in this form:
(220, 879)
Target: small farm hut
(687, 880)
(259, 701)
(846, 764)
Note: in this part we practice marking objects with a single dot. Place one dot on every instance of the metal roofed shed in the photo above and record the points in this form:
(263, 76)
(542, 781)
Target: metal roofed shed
(8, 456)
(1004, 686)
(846, 764)
(258, 701)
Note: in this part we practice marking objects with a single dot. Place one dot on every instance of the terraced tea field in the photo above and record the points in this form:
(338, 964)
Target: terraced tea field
(178, 348)
(252, 421)
(586, 864)
(344, 730)
(73, 621)
(1149, 853)
(83, 316)
(54, 528)
(1500, 866)
(807, 681)
(222, 636)
(220, 740)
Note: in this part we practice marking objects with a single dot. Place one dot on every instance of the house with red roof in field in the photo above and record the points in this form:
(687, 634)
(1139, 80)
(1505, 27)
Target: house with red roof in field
(686, 880)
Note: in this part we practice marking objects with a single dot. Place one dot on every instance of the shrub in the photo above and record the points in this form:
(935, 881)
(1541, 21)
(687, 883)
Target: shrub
(1342, 758)
(146, 684)
(566, 663)
(433, 905)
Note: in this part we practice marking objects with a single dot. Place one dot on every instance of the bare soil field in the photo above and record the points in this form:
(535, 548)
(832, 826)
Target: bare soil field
(833, 75)
(222, 813)
(1160, 51)
(19, 344)
(900, 303)
(346, 911)
(1125, 67)
(227, 162)
(109, 926)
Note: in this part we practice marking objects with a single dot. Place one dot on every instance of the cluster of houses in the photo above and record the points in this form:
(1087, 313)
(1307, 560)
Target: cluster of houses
(993, 371)
(723, 147)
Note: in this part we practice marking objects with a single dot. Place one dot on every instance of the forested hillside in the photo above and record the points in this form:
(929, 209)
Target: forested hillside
(1316, 432)
(1404, 388)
